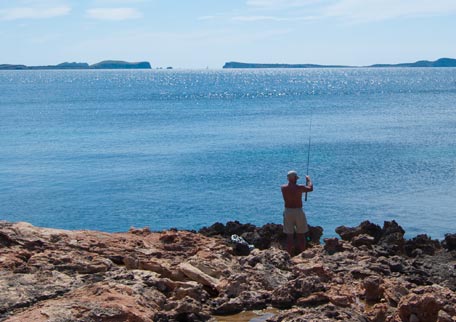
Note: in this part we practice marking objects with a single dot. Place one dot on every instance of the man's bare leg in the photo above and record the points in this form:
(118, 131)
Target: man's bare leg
(301, 242)
(290, 242)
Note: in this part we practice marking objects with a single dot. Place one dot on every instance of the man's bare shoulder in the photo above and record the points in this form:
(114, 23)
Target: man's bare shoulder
(284, 186)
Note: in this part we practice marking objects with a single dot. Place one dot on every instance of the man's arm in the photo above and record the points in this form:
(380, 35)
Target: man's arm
(309, 185)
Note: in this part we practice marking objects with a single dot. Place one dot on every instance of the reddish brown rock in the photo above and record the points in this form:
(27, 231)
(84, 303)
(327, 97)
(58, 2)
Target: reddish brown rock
(373, 289)
(419, 308)
(57, 275)
(377, 313)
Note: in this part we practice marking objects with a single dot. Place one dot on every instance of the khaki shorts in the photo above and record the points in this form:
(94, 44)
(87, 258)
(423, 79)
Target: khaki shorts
(294, 219)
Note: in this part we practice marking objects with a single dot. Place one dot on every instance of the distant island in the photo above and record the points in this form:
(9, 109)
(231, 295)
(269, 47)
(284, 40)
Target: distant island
(253, 65)
(107, 64)
(442, 62)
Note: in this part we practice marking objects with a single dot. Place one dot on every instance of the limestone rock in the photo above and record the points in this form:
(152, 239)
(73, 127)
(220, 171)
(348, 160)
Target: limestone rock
(56, 275)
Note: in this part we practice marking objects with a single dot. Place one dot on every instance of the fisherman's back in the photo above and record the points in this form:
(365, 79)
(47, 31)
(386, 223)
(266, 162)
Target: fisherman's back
(292, 195)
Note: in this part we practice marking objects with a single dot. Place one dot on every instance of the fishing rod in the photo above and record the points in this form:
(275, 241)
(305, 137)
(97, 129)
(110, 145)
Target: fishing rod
(308, 148)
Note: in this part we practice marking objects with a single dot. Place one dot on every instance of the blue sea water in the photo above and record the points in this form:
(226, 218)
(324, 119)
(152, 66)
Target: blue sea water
(108, 150)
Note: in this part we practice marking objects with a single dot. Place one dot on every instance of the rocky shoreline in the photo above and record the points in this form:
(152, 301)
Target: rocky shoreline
(370, 273)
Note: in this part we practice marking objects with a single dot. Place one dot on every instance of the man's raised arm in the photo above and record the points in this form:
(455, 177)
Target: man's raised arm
(309, 185)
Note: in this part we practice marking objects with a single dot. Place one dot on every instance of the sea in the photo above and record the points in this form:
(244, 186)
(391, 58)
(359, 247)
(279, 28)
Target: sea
(112, 149)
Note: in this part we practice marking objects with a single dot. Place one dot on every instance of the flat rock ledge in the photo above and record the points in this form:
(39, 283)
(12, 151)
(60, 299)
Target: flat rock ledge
(370, 274)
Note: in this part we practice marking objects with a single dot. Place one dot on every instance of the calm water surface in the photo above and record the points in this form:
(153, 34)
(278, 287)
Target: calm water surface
(108, 150)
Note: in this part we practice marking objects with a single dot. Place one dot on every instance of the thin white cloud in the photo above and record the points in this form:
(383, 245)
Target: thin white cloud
(116, 2)
(33, 13)
(270, 18)
(355, 11)
(281, 4)
(256, 18)
(377, 10)
(114, 14)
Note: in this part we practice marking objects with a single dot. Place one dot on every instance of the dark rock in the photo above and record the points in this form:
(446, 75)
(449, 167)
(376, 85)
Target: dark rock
(269, 234)
(34, 244)
(254, 300)
(6, 241)
(214, 230)
(241, 249)
(363, 240)
(236, 228)
(231, 306)
(392, 238)
(231, 228)
(450, 242)
(282, 298)
(261, 237)
(423, 243)
(332, 245)
(366, 227)
(255, 239)
(286, 295)
(315, 233)
(396, 264)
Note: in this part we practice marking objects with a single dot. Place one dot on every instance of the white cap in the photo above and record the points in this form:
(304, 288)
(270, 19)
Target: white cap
(292, 173)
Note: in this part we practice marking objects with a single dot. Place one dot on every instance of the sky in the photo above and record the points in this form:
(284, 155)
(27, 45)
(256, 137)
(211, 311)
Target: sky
(208, 33)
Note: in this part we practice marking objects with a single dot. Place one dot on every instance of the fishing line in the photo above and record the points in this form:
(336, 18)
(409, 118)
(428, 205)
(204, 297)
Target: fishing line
(308, 148)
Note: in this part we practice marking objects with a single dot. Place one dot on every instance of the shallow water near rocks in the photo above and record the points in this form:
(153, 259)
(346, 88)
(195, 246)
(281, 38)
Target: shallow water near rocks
(248, 316)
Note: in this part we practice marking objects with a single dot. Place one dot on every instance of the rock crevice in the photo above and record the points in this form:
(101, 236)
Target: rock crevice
(371, 274)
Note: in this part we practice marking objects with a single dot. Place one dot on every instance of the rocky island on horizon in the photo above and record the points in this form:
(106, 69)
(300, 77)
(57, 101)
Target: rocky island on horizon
(442, 62)
(106, 64)
(370, 274)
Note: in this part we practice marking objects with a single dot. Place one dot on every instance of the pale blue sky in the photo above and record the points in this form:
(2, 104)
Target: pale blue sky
(201, 33)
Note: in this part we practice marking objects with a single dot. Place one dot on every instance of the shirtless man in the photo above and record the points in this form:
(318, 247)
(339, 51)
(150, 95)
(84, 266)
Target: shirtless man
(294, 219)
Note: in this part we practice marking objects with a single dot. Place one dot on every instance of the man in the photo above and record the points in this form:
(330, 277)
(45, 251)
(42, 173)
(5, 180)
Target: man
(294, 219)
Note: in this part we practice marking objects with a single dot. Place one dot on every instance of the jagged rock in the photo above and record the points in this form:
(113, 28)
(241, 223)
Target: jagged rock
(261, 237)
(56, 275)
(396, 264)
(392, 238)
(286, 295)
(241, 249)
(332, 245)
(373, 290)
(423, 243)
(5, 240)
(363, 240)
(341, 295)
(450, 242)
(366, 227)
(377, 313)
(217, 229)
(315, 233)
(231, 306)
(416, 307)
(394, 290)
